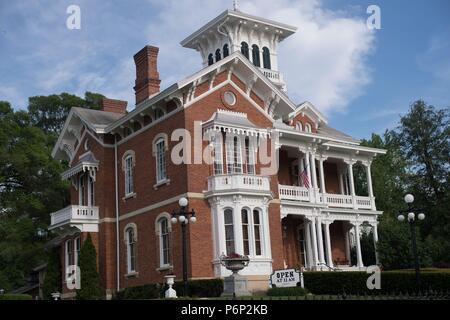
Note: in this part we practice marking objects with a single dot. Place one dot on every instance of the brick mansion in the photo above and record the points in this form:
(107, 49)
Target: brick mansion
(277, 184)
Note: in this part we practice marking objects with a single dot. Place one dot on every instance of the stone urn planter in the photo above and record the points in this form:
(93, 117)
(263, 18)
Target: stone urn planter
(235, 285)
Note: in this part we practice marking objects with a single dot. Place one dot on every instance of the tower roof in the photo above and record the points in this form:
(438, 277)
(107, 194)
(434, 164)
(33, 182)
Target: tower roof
(235, 16)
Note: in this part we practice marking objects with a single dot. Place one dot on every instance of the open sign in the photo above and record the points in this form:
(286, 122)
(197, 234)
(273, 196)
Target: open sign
(285, 278)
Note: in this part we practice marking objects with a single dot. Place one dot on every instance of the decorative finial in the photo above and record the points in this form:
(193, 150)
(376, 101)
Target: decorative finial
(235, 5)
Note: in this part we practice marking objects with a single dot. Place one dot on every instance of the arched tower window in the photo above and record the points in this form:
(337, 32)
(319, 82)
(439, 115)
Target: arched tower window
(226, 50)
(218, 56)
(210, 59)
(244, 49)
(266, 58)
(255, 55)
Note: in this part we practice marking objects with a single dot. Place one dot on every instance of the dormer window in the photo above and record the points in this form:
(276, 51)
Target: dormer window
(210, 59)
(244, 49)
(266, 58)
(226, 51)
(218, 56)
(255, 55)
(298, 126)
(308, 128)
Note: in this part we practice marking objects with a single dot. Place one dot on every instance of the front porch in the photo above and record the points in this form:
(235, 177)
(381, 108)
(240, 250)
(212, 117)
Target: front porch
(320, 242)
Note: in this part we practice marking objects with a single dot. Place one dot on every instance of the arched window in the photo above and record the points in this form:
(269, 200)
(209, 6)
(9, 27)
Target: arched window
(308, 128)
(234, 156)
(249, 156)
(82, 190)
(255, 55)
(245, 231)
(91, 192)
(218, 158)
(226, 51)
(257, 231)
(266, 58)
(160, 147)
(229, 231)
(131, 249)
(218, 56)
(244, 49)
(210, 59)
(164, 245)
(129, 185)
(299, 126)
(77, 243)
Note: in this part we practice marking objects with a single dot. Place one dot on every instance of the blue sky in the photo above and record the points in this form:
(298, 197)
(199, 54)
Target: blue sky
(361, 79)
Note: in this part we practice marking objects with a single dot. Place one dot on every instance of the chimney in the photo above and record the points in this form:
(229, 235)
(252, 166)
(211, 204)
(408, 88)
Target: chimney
(112, 105)
(147, 76)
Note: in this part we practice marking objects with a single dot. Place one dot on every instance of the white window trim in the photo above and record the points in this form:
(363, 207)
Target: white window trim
(133, 227)
(162, 137)
(218, 154)
(261, 233)
(158, 231)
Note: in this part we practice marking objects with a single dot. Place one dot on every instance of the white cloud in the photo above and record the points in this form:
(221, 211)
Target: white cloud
(324, 62)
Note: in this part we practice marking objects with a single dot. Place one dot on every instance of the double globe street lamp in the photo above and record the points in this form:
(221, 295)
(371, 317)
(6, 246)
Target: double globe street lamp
(184, 217)
(411, 213)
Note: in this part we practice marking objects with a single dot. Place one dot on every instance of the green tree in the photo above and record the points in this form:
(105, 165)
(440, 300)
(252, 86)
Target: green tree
(49, 112)
(90, 279)
(424, 140)
(52, 281)
(30, 188)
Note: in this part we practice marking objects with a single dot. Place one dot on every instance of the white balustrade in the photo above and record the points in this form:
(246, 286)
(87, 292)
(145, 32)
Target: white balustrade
(332, 200)
(74, 214)
(238, 181)
(293, 193)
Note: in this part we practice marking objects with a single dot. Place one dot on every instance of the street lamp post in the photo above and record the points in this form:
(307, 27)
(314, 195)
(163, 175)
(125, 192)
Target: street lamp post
(184, 216)
(411, 216)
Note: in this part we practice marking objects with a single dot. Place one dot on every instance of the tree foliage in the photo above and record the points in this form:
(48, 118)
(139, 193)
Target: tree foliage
(52, 281)
(417, 161)
(30, 182)
(90, 279)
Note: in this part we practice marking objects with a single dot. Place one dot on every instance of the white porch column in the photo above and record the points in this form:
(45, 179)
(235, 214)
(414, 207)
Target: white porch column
(309, 257)
(322, 175)
(314, 176)
(375, 240)
(369, 184)
(348, 254)
(237, 221)
(314, 243)
(320, 240)
(352, 182)
(308, 172)
(359, 261)
(328, 244)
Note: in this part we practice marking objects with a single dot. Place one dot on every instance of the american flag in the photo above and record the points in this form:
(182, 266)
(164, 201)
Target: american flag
(304, 177)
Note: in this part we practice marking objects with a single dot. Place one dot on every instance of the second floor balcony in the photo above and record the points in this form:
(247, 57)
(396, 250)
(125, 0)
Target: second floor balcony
(309, 195)
(84, 218)
(238, 182)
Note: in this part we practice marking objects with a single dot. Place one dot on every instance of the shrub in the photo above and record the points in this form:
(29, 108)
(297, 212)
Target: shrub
(196, 288)
(391, 282)
(90, 279)
(148, 291)
(11, 296)
(201, 288)
(290, 291)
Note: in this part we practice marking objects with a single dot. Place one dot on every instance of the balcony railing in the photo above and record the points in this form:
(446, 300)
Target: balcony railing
(238, 181)
(272, 75)
(294, 193)
(332, 200)
(73, 215)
